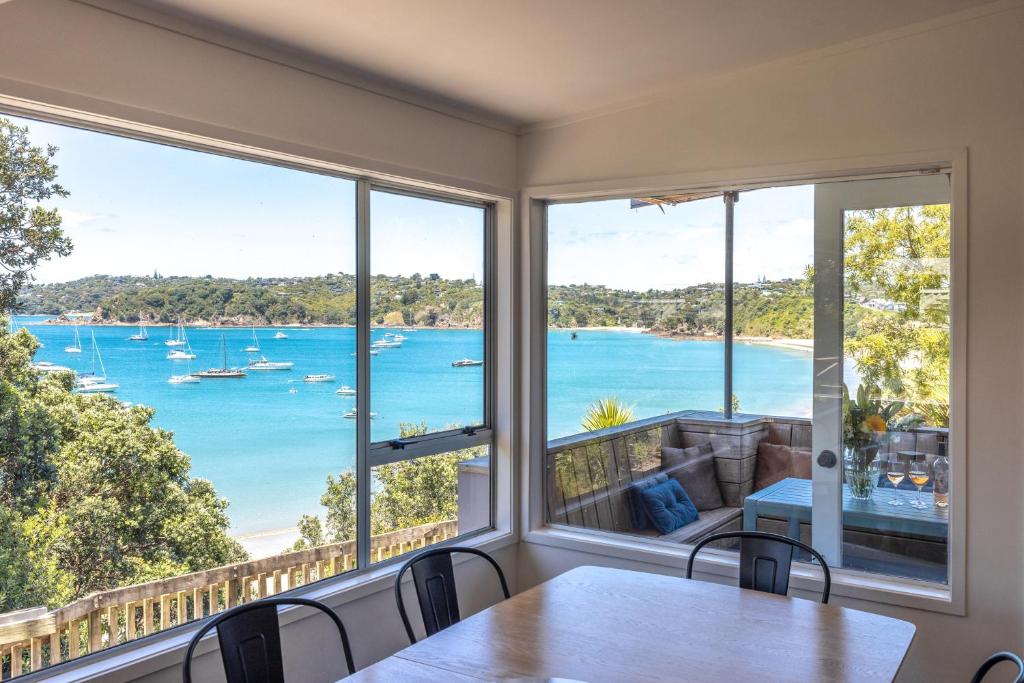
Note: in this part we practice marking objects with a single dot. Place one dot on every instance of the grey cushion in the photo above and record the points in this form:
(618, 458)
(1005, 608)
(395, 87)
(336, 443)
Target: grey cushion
(694, 469)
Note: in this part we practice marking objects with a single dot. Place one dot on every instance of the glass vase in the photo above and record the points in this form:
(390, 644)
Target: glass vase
(860, 470)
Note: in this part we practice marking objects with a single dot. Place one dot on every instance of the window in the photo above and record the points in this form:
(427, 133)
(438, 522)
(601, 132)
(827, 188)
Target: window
(430, 476)
(854, 270)
(193, 424)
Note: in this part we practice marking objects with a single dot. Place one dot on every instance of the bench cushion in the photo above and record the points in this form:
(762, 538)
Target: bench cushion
(668, 507)
(694, 469)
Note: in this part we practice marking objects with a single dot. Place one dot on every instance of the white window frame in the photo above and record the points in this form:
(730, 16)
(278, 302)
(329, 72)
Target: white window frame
(153, 653)
(948, 599)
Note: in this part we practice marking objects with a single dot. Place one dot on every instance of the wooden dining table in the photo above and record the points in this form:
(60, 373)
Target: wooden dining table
(600, 624)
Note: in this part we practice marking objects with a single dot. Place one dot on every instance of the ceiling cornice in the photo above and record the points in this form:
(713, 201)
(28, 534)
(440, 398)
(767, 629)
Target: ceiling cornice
(678, 89)
(215, 36)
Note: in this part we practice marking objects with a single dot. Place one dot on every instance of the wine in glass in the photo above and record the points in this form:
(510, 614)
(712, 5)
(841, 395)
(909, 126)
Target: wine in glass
(895, 472)
(919, 475)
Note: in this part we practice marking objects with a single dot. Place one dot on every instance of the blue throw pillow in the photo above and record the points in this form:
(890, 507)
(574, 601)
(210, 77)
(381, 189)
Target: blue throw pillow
(637, 510)
(668, 507)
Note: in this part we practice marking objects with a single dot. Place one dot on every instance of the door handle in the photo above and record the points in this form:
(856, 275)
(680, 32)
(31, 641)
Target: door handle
(827, 459)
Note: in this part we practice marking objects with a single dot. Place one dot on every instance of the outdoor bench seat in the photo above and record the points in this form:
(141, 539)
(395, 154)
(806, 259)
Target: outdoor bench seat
(710, 522)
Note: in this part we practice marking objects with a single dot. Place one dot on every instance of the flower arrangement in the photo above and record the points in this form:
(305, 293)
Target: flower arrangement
(867, 420)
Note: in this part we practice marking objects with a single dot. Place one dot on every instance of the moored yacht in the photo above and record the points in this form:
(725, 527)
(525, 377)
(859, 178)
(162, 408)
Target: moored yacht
(95, 382)
(352, 414)
(179, 339)
(141, 335)
(280, 335)
(223, 372)
(255, 346)
(264, 364)
(346, 390)
(76, 346)
(466, 363)
(318, 377)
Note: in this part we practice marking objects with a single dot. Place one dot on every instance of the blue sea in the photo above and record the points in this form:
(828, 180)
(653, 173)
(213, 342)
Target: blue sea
(269, 440)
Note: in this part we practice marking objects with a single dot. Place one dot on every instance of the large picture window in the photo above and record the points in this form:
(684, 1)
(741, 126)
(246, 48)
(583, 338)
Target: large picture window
(189, 423)
(828, 332)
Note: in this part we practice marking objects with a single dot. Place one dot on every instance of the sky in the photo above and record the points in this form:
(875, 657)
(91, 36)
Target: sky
(608, 243)
(138, 207)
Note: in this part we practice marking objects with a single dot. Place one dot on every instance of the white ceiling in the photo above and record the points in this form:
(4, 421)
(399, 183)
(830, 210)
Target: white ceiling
(533, 61)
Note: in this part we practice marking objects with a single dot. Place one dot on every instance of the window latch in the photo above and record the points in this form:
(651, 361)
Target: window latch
(471, 430)
(398, 444)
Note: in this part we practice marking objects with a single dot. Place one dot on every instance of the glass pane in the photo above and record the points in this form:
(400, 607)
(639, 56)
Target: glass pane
(205, 312)
(896, 428)
(427, 313)
(635, 316)
(418, 502)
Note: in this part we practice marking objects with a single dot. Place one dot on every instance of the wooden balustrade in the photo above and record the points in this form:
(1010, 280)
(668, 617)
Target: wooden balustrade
(35, 638)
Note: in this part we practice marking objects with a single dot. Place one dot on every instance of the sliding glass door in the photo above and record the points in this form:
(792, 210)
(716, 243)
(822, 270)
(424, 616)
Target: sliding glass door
(880, 471)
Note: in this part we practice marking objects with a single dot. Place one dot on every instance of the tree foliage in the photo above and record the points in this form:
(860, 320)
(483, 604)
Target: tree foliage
(93, 497)
(606, 412)
(29, 232)
(901, 256)
(405, 494)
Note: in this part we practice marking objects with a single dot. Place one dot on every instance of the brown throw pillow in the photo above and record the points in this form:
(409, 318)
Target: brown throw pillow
(694, 469)
(776, 462)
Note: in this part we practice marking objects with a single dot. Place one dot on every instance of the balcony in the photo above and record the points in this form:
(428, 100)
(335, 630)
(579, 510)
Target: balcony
(590, 477)
(30, 638)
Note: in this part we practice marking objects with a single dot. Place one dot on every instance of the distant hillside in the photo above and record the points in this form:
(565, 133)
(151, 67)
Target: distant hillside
(783, 308)
(327, 300)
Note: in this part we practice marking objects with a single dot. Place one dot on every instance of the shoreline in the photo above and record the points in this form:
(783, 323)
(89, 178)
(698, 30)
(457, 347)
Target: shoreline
(791, 343)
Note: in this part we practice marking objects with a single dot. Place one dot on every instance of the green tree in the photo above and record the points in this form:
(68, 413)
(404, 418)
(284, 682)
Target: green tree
(93, 497)
(901, 255)
(606, 412)
(406, 494)
(29, 232)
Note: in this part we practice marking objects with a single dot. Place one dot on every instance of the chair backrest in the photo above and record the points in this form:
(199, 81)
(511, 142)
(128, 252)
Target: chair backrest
(434, 580)
(765, 560)
(250, 641)
(995, 659)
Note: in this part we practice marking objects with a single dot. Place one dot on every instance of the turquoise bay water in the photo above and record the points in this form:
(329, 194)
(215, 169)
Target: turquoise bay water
(268, 441)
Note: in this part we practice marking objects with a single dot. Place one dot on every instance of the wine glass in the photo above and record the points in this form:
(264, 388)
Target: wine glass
(919, 475)
(895, 472)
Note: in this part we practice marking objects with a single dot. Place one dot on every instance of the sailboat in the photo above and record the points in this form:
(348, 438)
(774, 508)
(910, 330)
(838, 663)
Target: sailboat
(142, 335)
(76, 347)
(94, 383)
(176, 341)
(182, 354)
(223, 372)
(255, 346)
(187, 378)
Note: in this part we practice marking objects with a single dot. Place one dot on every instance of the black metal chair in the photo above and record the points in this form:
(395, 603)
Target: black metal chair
(765, 560)
(250, 641)
(996, 659)
(434, 580)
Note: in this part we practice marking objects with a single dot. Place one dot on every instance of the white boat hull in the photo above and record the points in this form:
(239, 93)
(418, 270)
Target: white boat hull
(98, 388)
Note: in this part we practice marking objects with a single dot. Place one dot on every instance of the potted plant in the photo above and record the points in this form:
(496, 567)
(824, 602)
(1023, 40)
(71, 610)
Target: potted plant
(867, 420)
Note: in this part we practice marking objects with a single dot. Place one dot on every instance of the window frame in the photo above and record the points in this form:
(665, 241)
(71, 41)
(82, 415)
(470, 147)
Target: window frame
(147, 654)
(888, 590)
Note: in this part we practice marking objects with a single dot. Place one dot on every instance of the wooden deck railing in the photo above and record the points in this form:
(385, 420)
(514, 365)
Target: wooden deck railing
(33, 638)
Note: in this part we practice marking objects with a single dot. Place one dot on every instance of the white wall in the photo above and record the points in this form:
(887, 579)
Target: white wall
(947, 87)
(75, 55)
